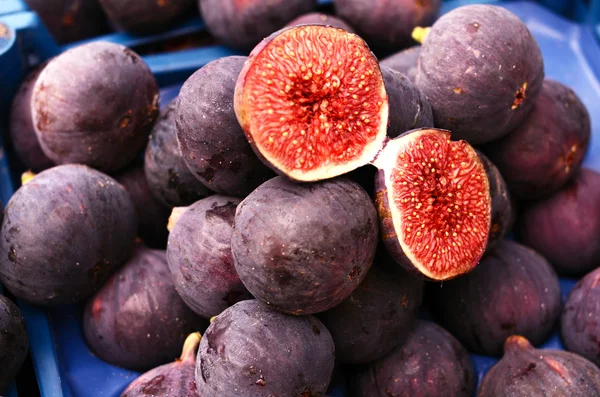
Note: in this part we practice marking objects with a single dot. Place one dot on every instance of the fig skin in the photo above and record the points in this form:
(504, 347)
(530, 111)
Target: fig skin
(514, 290)
(212, 143)
(137, 320)
(404, 62)
(14, 343)
(242, 25)
(317, 18)
(378, 315)
(144, 16)
(565, 227)
(473, 68)
(303, 248)
(64, 233)
(22, 131)
(526, 371)
(169, 178)
(101, 112)
(236, 354)
(200, 258)
(430, 363)
(545, 151)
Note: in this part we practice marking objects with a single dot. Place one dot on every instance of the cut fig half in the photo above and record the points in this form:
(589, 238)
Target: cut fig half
(434, 203)
(312, 102)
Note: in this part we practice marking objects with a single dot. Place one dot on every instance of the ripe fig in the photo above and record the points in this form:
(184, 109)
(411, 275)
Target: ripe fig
(317, 109)
(514, 290)
(526, 371)
(481, 70)
(14, 342)
(64, 233)
(303, 248)
(544, 152)
(430, 363)
(251, 350)
(200, 259)
(404, 62)
(434, 203)
(176, 379)
(144, 16)
(564, 228)
(212, 142)
(317, 18)
(137, 320)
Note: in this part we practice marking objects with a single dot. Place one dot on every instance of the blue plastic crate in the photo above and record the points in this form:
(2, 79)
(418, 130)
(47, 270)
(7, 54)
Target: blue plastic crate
(63, 364)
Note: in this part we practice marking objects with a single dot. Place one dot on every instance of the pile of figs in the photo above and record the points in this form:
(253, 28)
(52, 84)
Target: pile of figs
(307, 212)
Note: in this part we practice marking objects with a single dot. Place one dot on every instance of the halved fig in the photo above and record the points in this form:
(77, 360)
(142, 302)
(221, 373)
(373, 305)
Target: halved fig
(434, 203)
(312, 102)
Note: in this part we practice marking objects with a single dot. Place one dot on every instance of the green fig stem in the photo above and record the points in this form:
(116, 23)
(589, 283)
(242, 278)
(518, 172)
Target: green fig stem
(419, 34)
(190, 347)
(26, 177)
(175, 214)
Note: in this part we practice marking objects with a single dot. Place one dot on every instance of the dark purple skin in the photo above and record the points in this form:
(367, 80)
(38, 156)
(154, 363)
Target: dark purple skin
(564, 228)
(365, 177)
(152, 215)
(526, 371)
(251, 350)
(64, 233)
(472, 69)
(430, 363)
(169, 178)
(144, 16)
(22, 131)
(303, 248)
(95, 104)
(378, 316)
(200, 259)
(409, 109)
(14, 343)
(514, 290)
(212, 143)
(404, 62)
(318, 18)
(545, 151)
(137, 320)
(70, 20)
(242, 24)
(387, 25)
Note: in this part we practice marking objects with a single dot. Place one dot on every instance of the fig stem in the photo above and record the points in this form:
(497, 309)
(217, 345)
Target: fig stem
(190, 346)
(26, 177)
(174, 217)
(419, 34)
(516, 343)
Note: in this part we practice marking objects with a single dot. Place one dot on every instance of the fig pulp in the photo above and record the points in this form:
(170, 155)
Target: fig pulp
(64, 233)
(526, 371)
(430, 363)
(544, 152)
(565, 227)
(312, 102)
(251, 350)
(137, 320)
(317, 18)
(434, 203)
(14, 343)
(404, 62)
(200, 259)
(303, 248)
(176, 379)
(481, 70)
(144, 16)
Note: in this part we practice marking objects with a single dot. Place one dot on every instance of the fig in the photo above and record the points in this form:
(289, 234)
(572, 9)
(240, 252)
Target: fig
(22, 131)
(388, 24)
(200, 259)
(242, 24)
(99, 113)
(145, 16)
(317, 18)
(378, 315)
(14, 343)
(434, 203)
(551, 144)
(303, 248)
(212, 142)
(176, 379)
(514, 290)
(317, 110)
(430, 363)
(152, 215)
(137, 320)
(481, 70)
(526, 371)
(251, 350)
(404, 62)
(564, 228)
(169, 178)
(64, 233)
